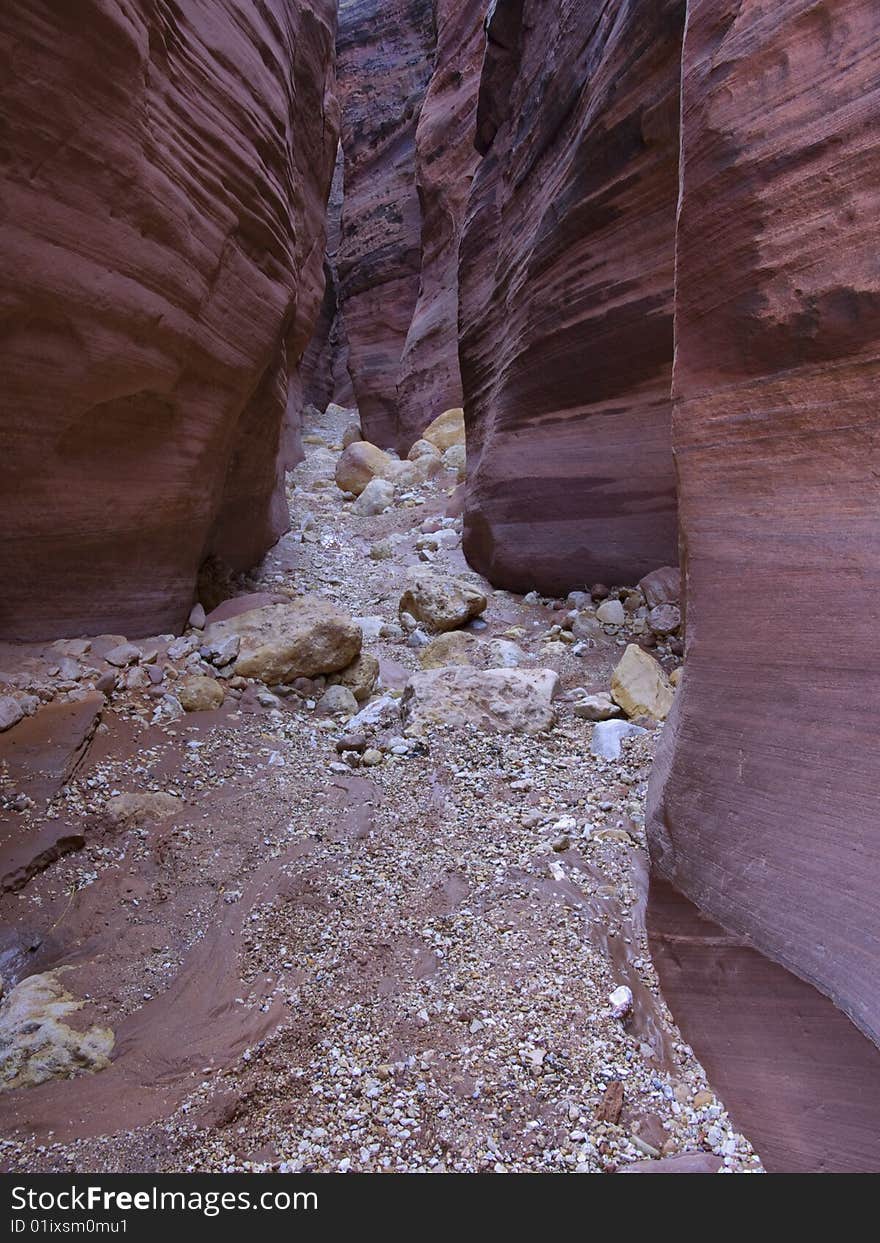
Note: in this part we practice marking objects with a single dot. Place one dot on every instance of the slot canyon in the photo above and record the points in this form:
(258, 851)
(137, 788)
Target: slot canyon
(441, 513)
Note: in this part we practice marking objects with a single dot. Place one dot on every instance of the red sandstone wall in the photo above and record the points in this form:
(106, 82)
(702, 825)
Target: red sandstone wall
(163, 179)
(764, 809)
(566, 273)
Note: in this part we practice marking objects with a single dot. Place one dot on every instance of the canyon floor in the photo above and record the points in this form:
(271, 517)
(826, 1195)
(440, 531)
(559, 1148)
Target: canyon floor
(314, 967)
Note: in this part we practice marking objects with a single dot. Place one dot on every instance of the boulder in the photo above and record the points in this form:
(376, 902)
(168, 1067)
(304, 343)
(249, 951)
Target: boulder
(494, 700)
(664, 619)
(446, 430)
(351, 435)
(300, 638)
(423, 448)
(35, 1042)
(455, 458)
(375, 498)
(338, 701)
(661, 586)
(611, 613)
(360, 463)
(359, 677)
(440, 603)
(199, 694)
(455, 647)
(640, 686)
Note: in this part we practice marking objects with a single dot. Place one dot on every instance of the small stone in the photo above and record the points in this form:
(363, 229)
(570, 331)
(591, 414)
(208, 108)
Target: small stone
(381, 551)
(611, 613)
(10, 712)
(611, 1105)
(197, 617)
(106, 683)
(371, 757)
(599, 707)
(599, 591)
(351, 742)
(200, 694)
(124, 654)
(621, 1001)
(338, 701)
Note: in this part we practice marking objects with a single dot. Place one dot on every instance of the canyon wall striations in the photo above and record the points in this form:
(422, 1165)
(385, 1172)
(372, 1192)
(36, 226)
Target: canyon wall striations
(384, 60)
(164, 177)
(429, 380)
(566, 272)
(763, 806)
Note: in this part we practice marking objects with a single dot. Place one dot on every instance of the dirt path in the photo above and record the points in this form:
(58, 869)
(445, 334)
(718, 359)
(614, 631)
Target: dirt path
(405, 967)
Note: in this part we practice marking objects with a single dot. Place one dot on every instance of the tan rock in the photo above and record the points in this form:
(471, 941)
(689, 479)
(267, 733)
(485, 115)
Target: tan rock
(423, 448)
(494, 700)
(200, 694)
(446, 430)
(460, 647)
(351, 435)
(640, 686)
(37, 1045)
(440, 603)
(142, 808)
(359, 677)
(359, 463)
(456, 647)
(300, 638)
(455, 458)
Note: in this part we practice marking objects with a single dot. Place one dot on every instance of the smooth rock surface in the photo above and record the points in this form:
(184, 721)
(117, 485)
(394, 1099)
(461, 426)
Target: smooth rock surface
(763, 801)
(566, 271)
(164, 174)
(384, 61)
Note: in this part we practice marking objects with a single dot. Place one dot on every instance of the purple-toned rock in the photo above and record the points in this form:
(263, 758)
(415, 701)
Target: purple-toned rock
(164, 174)
(566, 273)
(763, 804)
(429, 381)
(662, 586)
(384, 61)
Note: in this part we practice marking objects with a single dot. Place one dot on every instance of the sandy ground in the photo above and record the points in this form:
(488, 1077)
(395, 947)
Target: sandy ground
(311, 967)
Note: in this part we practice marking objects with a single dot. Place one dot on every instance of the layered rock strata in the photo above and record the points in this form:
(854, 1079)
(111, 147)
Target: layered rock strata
(164, 176)
(384, 60)
(566, 273)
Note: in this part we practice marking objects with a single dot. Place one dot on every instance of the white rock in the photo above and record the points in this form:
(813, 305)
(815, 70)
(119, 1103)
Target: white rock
(611, 613)
(607, 735)
(621, 1001)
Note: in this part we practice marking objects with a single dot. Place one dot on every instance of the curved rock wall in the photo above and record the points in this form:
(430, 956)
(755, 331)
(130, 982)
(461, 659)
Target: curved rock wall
(429, 380)
(163, 179)
(566, 273)
(324, 366)
(384, 60)
(764, 809)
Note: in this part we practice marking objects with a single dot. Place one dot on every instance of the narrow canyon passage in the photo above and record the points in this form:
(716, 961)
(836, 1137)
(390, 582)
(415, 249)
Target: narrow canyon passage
(441, 535)
(402, 966)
